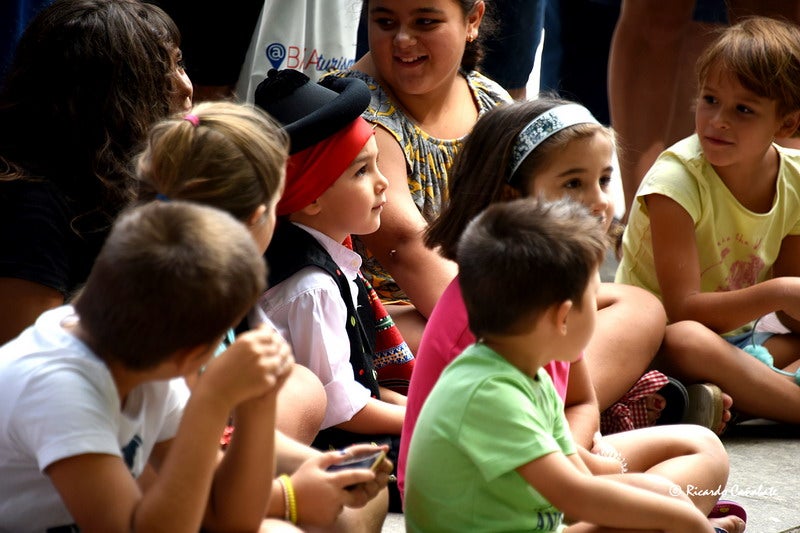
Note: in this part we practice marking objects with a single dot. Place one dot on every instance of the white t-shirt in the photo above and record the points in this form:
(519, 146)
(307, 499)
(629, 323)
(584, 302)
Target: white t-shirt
(58, 400)
(308, 311)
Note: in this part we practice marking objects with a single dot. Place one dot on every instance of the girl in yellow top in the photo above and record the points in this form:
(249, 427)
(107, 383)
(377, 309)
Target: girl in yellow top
(715, 227)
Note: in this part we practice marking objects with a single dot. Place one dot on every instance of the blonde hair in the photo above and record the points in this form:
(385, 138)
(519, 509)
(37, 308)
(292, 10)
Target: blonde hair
(763, 54)
(171, 275)
(230, 156)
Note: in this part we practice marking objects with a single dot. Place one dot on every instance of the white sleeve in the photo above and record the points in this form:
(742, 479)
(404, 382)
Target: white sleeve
(62, 414)
(313, 322)
(176, 400)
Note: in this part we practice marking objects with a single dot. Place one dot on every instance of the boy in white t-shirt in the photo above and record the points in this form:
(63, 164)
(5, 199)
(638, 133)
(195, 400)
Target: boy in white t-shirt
(88, 399)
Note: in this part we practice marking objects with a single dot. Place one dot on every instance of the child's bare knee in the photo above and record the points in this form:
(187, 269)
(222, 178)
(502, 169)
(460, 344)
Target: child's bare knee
(301, 405)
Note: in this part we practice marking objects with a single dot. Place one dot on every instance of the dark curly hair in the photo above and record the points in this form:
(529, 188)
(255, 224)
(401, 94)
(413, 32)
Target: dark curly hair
(88, 79)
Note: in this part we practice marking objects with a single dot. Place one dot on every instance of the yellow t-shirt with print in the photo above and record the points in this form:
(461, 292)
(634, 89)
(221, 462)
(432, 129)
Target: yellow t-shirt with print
(735, 246)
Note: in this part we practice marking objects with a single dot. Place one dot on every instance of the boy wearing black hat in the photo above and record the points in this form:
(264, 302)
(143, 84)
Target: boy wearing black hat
(318, 300)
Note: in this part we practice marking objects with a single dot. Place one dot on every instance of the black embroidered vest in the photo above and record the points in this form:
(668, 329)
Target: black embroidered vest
(293, 249)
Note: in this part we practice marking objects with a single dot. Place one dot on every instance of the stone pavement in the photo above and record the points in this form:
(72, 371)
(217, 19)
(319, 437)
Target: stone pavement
(762, 477)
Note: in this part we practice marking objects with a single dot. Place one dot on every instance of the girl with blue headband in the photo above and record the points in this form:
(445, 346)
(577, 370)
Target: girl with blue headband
(552, 148)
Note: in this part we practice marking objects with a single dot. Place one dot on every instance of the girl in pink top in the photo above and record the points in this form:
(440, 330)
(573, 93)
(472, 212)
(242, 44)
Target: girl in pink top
(568, 152)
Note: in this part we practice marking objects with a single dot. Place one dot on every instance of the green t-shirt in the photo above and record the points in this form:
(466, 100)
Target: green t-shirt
(483, 420)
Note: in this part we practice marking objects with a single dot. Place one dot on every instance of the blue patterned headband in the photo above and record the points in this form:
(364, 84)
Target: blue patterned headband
(542, 127)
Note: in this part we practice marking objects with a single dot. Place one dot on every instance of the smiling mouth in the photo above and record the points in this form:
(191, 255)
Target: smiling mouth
(410, 60)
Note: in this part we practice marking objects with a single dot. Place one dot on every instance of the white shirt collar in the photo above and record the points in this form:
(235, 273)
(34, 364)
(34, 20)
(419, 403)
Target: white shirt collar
(347, 260)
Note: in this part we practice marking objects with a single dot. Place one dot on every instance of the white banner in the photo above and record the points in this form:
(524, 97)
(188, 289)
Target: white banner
(312, 36)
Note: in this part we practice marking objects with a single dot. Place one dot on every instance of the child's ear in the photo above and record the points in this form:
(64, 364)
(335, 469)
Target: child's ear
(561, 312)
(312, 209)
(789, 125)
(253, 219)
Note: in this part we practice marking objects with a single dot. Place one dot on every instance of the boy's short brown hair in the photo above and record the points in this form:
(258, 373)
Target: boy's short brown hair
(171, 275)
(518, 258)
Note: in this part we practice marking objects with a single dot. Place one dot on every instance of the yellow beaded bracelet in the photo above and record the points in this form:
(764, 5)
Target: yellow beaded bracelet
(289, 499)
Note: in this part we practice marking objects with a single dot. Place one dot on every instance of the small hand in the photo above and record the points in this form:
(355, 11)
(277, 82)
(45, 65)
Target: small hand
(603, 465)
(321, 495)
(383, 472)
(604, 458)
(257, 363)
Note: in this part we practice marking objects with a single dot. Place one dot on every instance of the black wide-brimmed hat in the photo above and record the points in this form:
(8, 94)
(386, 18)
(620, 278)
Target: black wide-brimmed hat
(311, 112)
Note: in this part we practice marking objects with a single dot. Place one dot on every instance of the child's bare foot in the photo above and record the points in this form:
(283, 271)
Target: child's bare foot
(655, 404)
(727, 403)
(708, 407)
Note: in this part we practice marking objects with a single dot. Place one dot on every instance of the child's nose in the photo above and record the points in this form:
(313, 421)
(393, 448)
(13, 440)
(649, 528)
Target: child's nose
(382, 182)
(719, 119)
(599, 201)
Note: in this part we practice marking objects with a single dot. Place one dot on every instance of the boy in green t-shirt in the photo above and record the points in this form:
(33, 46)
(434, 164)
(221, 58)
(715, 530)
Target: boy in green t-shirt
(493, 451)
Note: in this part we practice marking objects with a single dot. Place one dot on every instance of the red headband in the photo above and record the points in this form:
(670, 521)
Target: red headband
(310, 172)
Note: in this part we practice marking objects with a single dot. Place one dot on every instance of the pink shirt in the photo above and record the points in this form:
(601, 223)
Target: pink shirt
(446, 335)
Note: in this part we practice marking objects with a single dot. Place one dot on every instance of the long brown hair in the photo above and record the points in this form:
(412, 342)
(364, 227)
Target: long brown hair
(480, 172)
(88, 79)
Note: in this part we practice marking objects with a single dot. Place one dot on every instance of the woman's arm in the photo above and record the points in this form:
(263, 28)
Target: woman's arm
(422, 273)
(678, 272)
